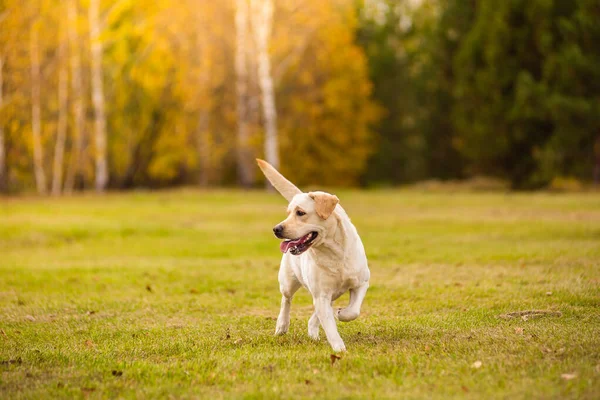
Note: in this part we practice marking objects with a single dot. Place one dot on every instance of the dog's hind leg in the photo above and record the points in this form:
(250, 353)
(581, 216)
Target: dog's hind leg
(287, 288)
(357, 295)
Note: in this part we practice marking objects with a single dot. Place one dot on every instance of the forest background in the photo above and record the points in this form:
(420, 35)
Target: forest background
(125, 94)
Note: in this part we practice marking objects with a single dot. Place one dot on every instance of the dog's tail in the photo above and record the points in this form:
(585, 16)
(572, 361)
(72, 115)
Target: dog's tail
(283, 186)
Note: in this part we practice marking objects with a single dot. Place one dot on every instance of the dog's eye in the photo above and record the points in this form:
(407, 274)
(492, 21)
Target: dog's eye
(300, 213)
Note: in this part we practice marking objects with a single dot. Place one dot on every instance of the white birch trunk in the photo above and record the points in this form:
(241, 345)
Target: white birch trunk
(245, 171)
(262, 13)
(76, 86)
(98, 98)
(38, 154)
(203, 135)
(2, 144)
(61, 129)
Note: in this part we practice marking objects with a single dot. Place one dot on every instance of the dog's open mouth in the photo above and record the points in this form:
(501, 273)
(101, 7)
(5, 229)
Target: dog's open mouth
(298, 246)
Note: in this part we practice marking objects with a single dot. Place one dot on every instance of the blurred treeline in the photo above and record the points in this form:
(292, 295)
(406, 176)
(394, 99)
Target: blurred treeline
(509, 89)
(125, 93)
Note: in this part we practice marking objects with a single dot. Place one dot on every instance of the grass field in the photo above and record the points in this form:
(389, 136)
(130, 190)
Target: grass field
(175, 294)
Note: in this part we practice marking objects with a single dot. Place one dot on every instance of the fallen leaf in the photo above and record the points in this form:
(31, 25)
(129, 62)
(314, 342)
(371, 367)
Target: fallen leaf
(465, 389)
(307, 381)
(193, 291)
(238, 341)
(548, 293)
(89, 343)
(334, 358)
(117, 373)
(568, 377)
(91, 312)
(477, 364)
(148, 288)
(30, 318)
(519, 331)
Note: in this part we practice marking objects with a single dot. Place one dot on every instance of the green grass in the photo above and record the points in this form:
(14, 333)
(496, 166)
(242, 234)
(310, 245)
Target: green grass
(176, 292)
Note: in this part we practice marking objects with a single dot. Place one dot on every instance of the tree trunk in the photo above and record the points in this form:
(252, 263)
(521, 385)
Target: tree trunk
(2, 144)
(61, 130)
(243, 150)
(98, 98)
(38, 154)
(262, 12)
(76, 86)
(203, 135)
(596, 173)
(203, 143)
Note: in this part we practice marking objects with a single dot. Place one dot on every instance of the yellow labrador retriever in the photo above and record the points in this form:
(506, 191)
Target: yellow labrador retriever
(322, 252)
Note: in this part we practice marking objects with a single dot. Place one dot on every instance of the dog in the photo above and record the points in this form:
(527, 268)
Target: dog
(322, 252)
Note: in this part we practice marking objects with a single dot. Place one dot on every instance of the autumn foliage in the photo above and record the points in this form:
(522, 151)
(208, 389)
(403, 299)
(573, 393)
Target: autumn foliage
(169, 85)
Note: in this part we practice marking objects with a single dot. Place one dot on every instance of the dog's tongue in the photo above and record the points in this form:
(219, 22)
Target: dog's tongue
(286, 244)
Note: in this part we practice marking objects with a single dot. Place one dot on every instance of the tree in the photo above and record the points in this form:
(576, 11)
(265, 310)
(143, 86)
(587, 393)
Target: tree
(262, 18)
(325, 106)
(527, 103)
(63, 114)
(75, 165)
(2, 139)
(98, 98)
(38, 155)
(243, 150)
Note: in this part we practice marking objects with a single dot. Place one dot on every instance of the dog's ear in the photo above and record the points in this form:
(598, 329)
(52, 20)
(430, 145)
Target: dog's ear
(324, 203)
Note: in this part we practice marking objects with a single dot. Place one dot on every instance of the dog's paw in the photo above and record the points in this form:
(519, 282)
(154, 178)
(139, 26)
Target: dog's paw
(281, 330)
(346, 314)
(313, 333)
(338, 347)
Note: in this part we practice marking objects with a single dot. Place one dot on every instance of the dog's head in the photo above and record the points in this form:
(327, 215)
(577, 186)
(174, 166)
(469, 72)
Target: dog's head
(307, 223)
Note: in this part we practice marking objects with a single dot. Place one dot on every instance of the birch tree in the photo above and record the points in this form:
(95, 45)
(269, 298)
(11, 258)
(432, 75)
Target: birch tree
(38, 155)
(262, 23)
(2, 144)
(203, 139)
(61, 129)
(77, 90)
(98, 98)
(243, 153)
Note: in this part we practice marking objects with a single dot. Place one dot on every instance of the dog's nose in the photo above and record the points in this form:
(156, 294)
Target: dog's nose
(278, 230)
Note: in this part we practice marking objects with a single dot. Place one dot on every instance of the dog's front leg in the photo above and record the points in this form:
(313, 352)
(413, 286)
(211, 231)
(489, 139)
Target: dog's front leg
(325, 313)
(313, 326)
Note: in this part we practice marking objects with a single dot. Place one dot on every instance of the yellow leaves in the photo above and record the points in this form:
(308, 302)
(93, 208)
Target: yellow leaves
(173, 152)
(166, 63)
